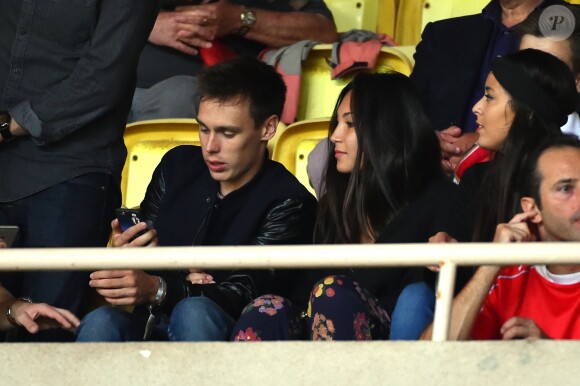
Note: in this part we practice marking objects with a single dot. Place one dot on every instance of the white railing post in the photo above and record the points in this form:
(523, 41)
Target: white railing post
(444, 298)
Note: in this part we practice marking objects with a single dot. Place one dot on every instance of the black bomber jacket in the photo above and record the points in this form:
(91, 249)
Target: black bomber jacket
(183, 205)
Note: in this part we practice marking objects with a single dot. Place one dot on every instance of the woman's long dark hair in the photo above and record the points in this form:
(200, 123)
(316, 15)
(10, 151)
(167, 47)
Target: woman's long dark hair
(499, 198)
(398, 155)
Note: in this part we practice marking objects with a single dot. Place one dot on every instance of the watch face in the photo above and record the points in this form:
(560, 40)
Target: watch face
(248, 18)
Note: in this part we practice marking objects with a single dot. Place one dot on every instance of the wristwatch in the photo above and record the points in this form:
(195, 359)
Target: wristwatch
(248, 18)
(5, 120)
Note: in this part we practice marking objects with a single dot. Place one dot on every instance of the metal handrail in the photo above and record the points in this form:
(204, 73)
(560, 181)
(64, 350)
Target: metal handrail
(448, 256)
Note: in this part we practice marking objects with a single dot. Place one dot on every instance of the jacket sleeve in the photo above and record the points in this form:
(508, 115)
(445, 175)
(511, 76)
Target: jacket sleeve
(290, 222)
(424, 63)
(154, 195)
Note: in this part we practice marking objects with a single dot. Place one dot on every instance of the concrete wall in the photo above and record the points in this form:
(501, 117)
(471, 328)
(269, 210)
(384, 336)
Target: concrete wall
(292, 363)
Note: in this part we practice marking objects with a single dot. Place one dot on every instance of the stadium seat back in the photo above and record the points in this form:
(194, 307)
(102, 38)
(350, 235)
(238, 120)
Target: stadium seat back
(318, 92)
(296, 142)
(147, 142)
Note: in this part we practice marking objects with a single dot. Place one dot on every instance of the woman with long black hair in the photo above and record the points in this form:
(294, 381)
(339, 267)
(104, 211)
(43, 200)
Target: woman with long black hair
(383, 184)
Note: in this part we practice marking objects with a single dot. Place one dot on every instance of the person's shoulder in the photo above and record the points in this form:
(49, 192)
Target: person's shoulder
(441, 35)
(184, 153)
(182, 161)
(282, 181)
(455, 24)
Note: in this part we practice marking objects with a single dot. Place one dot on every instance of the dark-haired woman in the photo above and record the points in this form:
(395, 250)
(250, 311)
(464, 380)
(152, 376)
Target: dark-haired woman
(528, 96)
(383, 184)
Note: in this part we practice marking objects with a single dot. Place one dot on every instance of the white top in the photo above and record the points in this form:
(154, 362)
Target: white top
(573, 125)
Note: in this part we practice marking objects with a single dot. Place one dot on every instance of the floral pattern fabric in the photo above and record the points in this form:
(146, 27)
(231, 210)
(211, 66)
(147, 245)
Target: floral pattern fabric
(338, 309)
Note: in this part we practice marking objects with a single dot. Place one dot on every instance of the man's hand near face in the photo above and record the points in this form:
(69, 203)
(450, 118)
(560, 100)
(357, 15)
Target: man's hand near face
(517, 230)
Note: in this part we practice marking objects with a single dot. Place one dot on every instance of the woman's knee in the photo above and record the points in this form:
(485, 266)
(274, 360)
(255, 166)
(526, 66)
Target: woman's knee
(335, 287)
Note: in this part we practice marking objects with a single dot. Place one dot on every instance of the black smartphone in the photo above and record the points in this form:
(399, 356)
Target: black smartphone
(129, 217)
(8, 234)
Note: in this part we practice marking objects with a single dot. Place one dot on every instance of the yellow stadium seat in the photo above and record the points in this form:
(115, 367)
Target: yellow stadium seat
(372, 15)
(318, 92)
(413, 15)
(296, 142)
(146, 143)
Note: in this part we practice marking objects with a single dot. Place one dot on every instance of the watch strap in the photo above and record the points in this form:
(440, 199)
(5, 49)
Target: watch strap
(10, 314)
(5, 120)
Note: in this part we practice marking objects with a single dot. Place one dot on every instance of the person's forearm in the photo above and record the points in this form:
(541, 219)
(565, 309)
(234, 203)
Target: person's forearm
(467, 304)
(278, 29)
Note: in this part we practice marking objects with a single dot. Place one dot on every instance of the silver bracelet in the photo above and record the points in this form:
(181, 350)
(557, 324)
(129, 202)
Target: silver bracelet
(161, 292)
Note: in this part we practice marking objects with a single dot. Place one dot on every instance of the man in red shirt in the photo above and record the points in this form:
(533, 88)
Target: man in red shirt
(541, 301)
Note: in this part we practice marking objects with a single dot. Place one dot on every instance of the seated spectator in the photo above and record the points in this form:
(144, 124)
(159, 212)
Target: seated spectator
(539, 301)
(529, 95)
(383, 175)
(226, 192)
(187, 38)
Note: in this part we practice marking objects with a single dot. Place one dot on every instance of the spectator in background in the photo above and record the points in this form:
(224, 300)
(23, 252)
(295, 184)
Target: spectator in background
(185, 38)
(67, 75)
(567, 50)
(451, 72)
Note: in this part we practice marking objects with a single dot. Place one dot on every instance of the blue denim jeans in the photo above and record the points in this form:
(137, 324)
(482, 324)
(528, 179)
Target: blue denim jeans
(193, 319)
(413, 312)
(74, 213)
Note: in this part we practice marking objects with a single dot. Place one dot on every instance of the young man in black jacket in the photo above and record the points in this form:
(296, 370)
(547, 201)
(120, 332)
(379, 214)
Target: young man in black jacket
(226, 192)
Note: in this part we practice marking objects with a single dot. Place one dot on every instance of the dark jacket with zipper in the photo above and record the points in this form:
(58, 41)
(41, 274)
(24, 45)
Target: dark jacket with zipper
(183, 205)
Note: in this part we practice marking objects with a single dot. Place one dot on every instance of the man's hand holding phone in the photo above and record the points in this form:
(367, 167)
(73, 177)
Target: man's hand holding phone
(130, 231)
